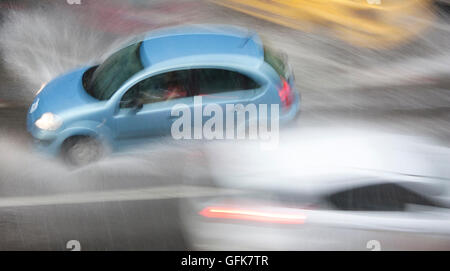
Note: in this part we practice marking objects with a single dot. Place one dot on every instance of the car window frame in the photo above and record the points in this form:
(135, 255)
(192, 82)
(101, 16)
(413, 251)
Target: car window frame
(257, 75)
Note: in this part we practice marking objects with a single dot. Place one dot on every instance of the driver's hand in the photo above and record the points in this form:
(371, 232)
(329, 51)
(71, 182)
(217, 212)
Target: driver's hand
(172, 94)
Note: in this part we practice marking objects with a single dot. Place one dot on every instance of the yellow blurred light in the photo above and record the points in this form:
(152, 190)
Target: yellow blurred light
(366, 23)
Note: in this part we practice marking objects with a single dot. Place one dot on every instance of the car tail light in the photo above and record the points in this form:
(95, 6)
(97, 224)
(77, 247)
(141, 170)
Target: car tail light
(274, 216)
(285, 94)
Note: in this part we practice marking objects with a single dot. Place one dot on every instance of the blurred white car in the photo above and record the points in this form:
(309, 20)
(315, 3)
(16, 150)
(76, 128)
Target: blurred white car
(319, 192)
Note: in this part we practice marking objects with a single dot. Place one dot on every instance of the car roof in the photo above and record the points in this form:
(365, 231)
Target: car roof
(212, 41)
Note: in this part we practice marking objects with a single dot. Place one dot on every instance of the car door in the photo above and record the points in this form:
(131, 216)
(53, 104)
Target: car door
(145, 109)
(222, 86)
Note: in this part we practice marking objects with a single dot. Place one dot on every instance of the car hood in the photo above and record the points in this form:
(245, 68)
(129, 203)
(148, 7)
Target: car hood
(59, 95)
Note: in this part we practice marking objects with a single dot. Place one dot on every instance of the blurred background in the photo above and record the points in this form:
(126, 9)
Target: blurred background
(375, 70)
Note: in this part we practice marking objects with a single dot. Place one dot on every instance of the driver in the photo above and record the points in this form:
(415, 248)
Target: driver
(174, 88)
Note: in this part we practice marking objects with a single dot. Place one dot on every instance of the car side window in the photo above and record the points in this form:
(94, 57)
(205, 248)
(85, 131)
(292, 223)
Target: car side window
(210, 81)
(158, 88)
(379, 197)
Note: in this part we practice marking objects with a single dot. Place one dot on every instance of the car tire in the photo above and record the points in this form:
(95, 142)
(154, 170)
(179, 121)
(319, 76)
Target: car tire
(80, 151)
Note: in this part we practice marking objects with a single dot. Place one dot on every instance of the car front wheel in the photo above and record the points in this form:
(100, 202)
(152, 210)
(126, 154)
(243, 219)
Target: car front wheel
(81, 150)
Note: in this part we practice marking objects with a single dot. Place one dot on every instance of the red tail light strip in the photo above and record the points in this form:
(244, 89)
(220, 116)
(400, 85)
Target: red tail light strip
(285, 94)
(253, 215)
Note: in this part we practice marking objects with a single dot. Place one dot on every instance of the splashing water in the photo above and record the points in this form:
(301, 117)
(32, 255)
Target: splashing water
(40, 44)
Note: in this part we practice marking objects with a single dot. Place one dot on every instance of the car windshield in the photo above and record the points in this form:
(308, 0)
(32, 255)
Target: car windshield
(116, 70)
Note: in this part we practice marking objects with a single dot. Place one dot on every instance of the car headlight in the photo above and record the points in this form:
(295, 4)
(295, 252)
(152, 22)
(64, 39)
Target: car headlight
(49, 121)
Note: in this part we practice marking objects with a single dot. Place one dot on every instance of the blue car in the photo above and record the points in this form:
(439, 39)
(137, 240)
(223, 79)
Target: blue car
(128, 99)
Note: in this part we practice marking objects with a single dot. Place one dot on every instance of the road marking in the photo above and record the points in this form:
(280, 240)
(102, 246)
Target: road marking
(165, 192)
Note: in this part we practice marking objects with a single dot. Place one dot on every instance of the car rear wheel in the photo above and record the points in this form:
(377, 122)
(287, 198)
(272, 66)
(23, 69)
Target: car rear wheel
(81, 150)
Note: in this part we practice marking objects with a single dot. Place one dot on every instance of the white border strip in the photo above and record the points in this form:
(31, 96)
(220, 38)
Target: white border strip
(166, 192)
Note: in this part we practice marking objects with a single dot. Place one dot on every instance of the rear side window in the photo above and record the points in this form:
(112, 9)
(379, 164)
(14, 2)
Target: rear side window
(380, 197)
(210, 81)
(276, 60)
